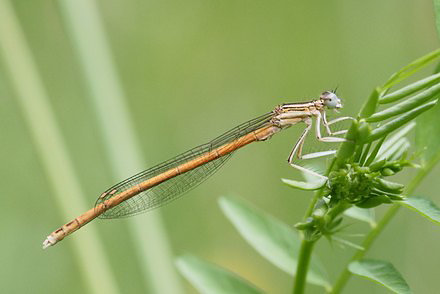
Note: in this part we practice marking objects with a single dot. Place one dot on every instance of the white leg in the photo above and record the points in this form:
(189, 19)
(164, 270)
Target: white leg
(325, 123)
(339, 119)
(318, 154)
(328, 123)
(339, 132)
(303, 169)
(310, 156)
(318, 132)
(297, 149)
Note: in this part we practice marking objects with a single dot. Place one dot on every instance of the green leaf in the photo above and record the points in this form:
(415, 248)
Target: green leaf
(270, 237)
(437, 15)
(374, 201)
(375, 151)
(362, 214)
(412, 68)
(423, 206)
(307, 186)
(412, 88)
(399, 121)
(370, 106)
(347, 148)
(406, 105)
(209, 278)
(381, 272)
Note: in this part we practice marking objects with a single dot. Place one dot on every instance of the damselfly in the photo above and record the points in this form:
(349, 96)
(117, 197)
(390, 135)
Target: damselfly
(167, 181)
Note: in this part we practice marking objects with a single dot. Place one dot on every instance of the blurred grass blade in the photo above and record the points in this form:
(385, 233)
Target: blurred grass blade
(412, 68)
(406, 105)
(396, 137)
(273, 239)
(423, 206)
(402, 151)
(52, 150)
(211, 279)
(362, 214)
(86, 29)
(396, 150)
(307, 186)
(381, 272)
(396, 123)
(437, 15)
(410, 89)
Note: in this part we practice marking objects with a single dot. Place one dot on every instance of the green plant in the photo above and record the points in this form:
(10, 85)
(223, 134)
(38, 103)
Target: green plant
(357, 181)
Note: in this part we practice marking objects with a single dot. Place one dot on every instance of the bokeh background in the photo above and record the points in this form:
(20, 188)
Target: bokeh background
(186, 71)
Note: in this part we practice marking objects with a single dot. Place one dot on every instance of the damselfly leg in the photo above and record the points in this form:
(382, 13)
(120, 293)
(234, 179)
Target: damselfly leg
(328, 123)
(297, 149)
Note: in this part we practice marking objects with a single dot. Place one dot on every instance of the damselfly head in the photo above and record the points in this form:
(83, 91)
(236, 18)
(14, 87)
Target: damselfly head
(331, 100)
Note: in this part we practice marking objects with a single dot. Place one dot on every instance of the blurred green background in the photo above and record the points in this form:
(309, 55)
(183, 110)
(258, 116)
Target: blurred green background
(189, 70)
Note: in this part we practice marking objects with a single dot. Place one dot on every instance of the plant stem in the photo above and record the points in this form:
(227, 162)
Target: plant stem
(305, 254)
(316, 197)
(374, 233)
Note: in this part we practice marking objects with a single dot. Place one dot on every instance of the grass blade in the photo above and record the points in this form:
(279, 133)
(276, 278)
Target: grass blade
(437, 15)
(396, 137)
(52, 149)
(87, 32)
(396, 151)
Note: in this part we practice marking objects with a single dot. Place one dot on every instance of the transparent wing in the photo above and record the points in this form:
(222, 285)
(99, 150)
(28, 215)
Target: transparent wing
(174, 188)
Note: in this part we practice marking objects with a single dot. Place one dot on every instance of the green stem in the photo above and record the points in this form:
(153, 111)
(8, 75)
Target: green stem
(374, 233)
(316, 197)
(305, 254)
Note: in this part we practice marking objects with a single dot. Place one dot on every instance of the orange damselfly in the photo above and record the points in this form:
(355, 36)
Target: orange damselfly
(167, 181)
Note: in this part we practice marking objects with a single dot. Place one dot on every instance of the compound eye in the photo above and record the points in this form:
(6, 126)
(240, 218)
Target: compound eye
(331, 100)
